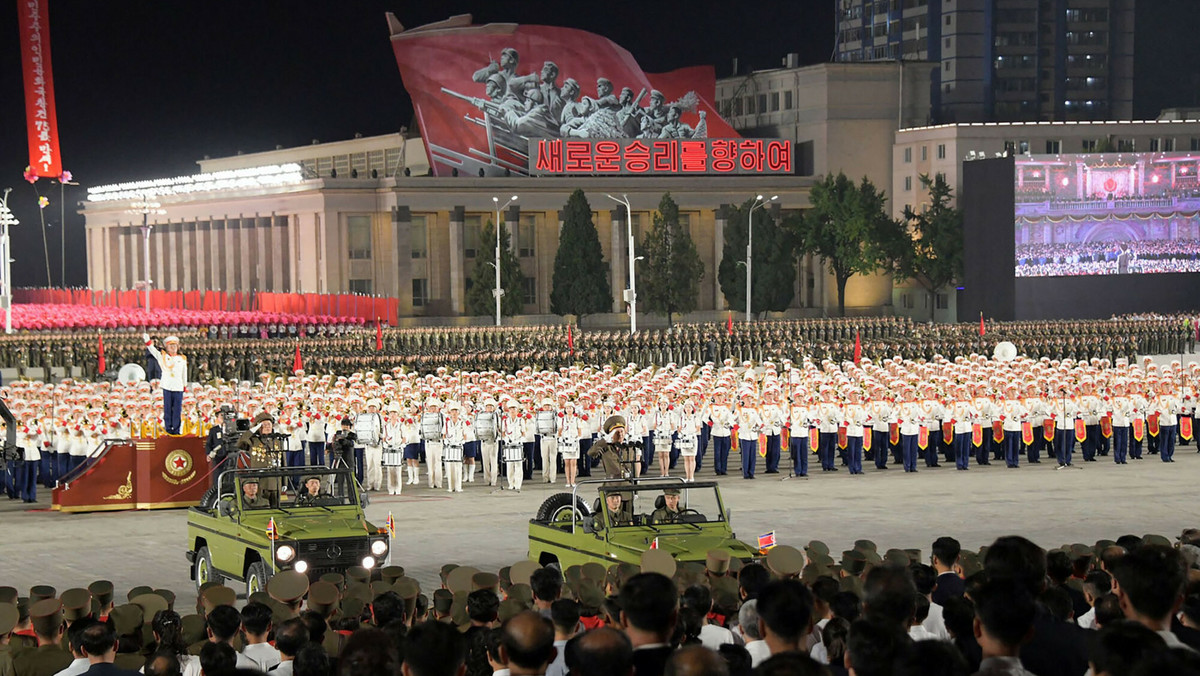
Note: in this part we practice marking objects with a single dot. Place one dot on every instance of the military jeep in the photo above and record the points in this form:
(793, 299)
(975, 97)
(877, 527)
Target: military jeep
(314, 533)
(567, 531)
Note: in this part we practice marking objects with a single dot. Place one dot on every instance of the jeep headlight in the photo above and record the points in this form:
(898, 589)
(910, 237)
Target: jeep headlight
(301, 567)
(379, 548)
(368, 562)
(285, 553)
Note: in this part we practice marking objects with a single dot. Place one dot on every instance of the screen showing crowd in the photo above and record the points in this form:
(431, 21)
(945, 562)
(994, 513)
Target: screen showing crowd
(1107, 214)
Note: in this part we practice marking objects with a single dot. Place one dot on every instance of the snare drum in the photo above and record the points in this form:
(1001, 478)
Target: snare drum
(514, 452)
(366, 428)
(393, 457)
(452, 453)
(431, 426)
(686, 445)
(569, 448)
(485, 426)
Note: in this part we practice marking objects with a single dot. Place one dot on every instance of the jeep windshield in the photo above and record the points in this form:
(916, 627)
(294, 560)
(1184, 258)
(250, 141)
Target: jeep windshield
(660, 505)
(290, 488)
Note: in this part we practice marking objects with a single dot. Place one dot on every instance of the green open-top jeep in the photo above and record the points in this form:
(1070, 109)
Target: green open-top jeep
(567, 531)
(319, 526)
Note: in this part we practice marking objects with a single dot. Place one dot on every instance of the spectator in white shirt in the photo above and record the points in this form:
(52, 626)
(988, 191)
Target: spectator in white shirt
(290, 637)
(748, 625)
(564, 613)
(256, 624)
(222, 625)
(698, 599)
(81, 663)
(925, 578)
(1096, 584)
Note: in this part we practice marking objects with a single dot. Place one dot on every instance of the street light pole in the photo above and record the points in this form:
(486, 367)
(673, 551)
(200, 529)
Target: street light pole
(498, 292)
(6, 219)
(145, 208)
(758, 204)
(632, 292)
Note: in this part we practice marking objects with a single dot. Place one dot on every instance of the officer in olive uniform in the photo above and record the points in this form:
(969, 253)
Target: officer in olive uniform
(669, 512)
(616, 510)
(48, 658)
(611, 450)
(250, 497)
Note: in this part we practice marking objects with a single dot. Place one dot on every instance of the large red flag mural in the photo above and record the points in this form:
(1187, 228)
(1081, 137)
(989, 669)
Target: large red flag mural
(483, 92)
(41, 119)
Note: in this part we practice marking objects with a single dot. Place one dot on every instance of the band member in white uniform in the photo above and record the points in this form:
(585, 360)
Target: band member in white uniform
(487, 429)
(687, 424)
(512, 434)
(570, 427)
(546, 421)
(369, 428)
(393, 440)
(456, 432)
(412, 443)
(432, 424)
(174, 379)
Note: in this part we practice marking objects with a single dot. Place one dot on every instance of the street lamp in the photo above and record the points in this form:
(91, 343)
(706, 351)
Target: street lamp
(6, 219)
(631, 292)
(759, 203)
(498, 292)
(146, 207)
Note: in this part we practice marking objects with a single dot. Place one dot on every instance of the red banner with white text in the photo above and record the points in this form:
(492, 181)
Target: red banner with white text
(40, 117)
(483, 92)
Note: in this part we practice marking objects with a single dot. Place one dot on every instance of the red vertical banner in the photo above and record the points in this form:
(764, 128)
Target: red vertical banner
(100, 354)
(41, 119)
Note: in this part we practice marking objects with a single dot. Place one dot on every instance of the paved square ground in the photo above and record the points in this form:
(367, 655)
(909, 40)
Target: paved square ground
(488, 530)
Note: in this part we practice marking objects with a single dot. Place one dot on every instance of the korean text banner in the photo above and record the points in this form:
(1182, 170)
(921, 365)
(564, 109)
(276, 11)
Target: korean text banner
(483, 92)
(41, 119)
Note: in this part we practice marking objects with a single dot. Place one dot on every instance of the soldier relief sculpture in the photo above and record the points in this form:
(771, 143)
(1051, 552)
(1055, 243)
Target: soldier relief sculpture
(534, 105)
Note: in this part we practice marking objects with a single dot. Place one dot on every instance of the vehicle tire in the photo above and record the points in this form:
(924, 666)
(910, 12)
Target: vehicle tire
(209, 499)
(203, 569)
(256, 578)
(557, 507)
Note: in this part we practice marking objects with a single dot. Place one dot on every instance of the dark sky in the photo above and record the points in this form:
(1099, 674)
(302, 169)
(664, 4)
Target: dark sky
(144, 89)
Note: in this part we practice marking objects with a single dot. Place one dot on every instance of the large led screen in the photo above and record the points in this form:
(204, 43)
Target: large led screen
(1107, 214)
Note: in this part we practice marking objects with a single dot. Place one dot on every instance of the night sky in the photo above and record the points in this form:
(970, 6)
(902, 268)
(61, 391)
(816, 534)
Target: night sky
(144, 89)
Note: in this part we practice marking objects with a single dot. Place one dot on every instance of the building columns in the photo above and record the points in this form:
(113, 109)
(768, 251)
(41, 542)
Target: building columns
(402, 235)
(616, 263)
(719, 223)
(458, 281)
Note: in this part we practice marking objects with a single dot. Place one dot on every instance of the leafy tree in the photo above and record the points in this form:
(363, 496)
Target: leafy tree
(480, 300)
(670, 281)
(774, 265)
(580, 283)
(849, 228)
(936, 257)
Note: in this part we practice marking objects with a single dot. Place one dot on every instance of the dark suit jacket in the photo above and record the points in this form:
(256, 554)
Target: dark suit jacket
(103, 669)
(948, 585)
(1057, 649)
(651, 661)
(1186, 634)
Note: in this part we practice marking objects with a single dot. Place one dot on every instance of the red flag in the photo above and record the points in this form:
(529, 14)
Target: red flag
(857, 347)
(100, 354)
(729, 325)
(981, 328)
(297, 363)
(570, 340)
(378, 336)
(654, 545)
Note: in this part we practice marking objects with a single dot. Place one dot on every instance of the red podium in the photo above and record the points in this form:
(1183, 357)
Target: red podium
(160, 473)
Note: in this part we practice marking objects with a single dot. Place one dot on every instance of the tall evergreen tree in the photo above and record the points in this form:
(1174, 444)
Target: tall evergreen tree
(670, 279)
(849, 228)
(580, 283)
(936, 257)
(773, 273)
(480, 300)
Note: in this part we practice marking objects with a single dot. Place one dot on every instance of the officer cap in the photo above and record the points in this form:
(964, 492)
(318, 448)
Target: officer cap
(218, 595)
(459, 579)
(150, 604)
(8, 595)
(896, 557)
(509, 608)
(102, 591)
(670, 491)
(914, 555)
(263, 417)
(407, 588)
(522, 571)
(484, 581)
(573, 574)
(46, 615)
(853, 562)
(357, 590)
(77, 604)
(168, 596)
(717, 561)
(261, 597)
(593, 571)
(336, 579)
(323, 597)
(353, 606)
(391, 573)
(522, 593)
(613, 423)
(872, 558)
(817, 547)
(126, 619)
(970, 563)
(851, 584)
(9, 618)
(725, 593)
(192, 628)
(138, 591)
(1150, 539)
(590, 595)
(41, 592)
(288, 586)
(785, 561)
(446, 569)
(379, 587)
(658, 561)
(864, 545)
(442, 600)
(625, 571)
(357, 574)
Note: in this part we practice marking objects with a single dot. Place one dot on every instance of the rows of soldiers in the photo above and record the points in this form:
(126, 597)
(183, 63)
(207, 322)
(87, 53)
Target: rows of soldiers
(217, 354)
(515, 425)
